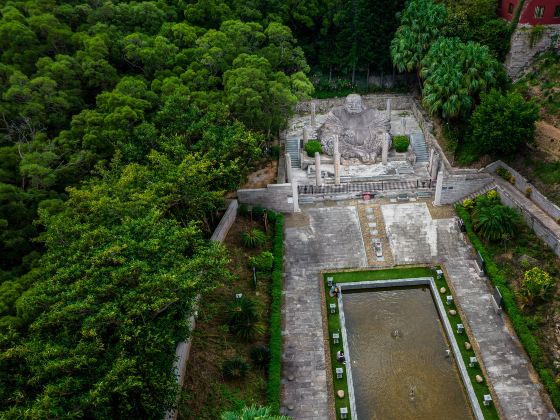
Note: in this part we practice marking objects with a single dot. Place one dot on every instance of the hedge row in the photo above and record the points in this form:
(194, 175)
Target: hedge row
(274, 369)
(528, 340)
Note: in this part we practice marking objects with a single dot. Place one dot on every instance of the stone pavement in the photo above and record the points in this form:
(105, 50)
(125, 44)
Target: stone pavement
(416, 238)
(323, 237)
(317, 238)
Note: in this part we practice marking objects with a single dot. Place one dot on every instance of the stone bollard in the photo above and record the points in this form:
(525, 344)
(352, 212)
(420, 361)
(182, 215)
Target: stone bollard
(389, 109)
(313, 114)
(385, 149)
(305, 136)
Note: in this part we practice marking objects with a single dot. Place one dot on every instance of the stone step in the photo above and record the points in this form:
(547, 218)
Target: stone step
(292, 148)
(475, 194)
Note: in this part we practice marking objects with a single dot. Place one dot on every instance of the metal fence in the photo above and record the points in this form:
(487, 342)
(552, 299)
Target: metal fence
(360, 187)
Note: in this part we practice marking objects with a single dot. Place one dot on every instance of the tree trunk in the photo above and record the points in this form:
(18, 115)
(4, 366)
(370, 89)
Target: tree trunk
(330, 75)
(367, 79)
(353, 74)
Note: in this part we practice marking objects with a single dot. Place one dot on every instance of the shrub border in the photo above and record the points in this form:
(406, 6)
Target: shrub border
(275, 366)
(529, 341)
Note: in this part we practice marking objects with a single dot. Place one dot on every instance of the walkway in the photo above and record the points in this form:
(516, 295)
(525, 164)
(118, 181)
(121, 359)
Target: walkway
(317, 238)
(416, 236)
(322, 238)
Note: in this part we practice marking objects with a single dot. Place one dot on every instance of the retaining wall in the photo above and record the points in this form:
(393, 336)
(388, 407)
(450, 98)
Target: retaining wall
(534, 223)
(521, 183)
(455, 187)
(277, 197)
(522, 53)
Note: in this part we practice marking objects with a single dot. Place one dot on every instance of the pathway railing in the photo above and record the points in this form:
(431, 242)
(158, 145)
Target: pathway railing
(372, 187)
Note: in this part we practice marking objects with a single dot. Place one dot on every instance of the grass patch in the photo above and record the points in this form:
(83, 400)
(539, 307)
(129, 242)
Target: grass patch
(521, 323)
(548, 172)
(490, 412)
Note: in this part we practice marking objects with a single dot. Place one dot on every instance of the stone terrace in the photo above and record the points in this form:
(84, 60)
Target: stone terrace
(323, 237)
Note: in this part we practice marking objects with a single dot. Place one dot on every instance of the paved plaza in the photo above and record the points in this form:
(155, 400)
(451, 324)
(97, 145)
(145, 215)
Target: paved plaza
(326, 237)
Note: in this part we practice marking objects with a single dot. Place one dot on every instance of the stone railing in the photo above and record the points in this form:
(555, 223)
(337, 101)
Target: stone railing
(377, 101)
(521, 183)
(183, 348)
(278, 197)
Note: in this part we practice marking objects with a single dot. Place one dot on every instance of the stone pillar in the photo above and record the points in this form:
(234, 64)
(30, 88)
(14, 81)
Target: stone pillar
(439, 189)
(435, 166)
(385, 148)
(295, 196)
(313, 114)
(336, 156)
(288, 161)
(389, 109)
(305, 136)
(403, 123)
(318, 180)
(431, 159)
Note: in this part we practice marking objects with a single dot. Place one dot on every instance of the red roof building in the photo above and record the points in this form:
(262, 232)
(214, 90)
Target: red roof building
(535, 12)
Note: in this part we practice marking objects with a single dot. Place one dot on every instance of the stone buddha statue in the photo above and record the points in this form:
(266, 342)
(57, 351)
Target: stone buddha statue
(360, 130)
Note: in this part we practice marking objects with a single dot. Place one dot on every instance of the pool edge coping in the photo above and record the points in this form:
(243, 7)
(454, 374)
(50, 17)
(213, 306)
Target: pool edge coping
(418, 281)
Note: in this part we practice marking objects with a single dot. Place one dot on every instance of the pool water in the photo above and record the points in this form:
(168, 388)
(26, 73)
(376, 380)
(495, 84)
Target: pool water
(400, 366)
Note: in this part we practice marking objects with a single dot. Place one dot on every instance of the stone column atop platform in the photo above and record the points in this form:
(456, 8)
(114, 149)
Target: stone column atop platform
(403, 123)
(318, 179)
(435, 166)
(288, 161)
(385, 149)
(313, 119)
(389, 109)
(305, 136)
(336, 162)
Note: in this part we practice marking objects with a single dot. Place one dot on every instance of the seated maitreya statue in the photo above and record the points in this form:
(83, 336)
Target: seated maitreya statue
(360, 130)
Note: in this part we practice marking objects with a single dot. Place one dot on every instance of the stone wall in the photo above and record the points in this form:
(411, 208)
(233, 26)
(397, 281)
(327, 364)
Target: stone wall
(521, 53)
(455, 187)
(534, 223)
(183, 349)
(378, 101)
(278, 197)
(522, 184)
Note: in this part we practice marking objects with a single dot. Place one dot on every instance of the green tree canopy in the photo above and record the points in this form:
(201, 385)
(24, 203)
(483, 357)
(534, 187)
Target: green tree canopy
(502, 123)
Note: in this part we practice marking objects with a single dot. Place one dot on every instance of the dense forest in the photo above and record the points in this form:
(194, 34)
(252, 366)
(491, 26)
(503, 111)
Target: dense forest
(123, 123)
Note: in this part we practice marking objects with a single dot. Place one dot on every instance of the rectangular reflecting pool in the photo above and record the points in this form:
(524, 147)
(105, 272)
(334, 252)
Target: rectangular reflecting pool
(400, 365)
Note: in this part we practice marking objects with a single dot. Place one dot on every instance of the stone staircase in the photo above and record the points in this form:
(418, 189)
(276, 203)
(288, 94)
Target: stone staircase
(292, 148)
(419, 146)
(483, 190)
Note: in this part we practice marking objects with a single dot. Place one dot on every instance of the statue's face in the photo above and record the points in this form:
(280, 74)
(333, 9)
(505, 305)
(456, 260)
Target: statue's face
(353, 104)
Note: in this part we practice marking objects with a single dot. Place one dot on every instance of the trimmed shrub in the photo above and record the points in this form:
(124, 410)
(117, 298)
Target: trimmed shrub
(235, 368)
(313, 146)
(274, 368)
(468, 204)
(254, 238)
(260, 355)
(528, 192)
(262, 262)
(400, 143)
(505, 174)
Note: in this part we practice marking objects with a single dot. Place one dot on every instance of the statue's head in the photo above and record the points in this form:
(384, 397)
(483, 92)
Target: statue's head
(354, 104)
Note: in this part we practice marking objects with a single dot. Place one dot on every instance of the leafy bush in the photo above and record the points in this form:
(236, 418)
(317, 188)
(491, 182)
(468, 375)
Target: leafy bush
(505, 174)
(501, 124)
(243, 319)
(254, 238)
(235, 368)
(468, 204)
(313, 146)
(252, 413)
(528, 192)
(536, 285)
(257, 212)
(400, 143)
(262, 262)
(260, 355)
(243, 210)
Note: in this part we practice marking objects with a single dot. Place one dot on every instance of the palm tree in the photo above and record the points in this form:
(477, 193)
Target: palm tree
(495, 222)
(252, 413)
